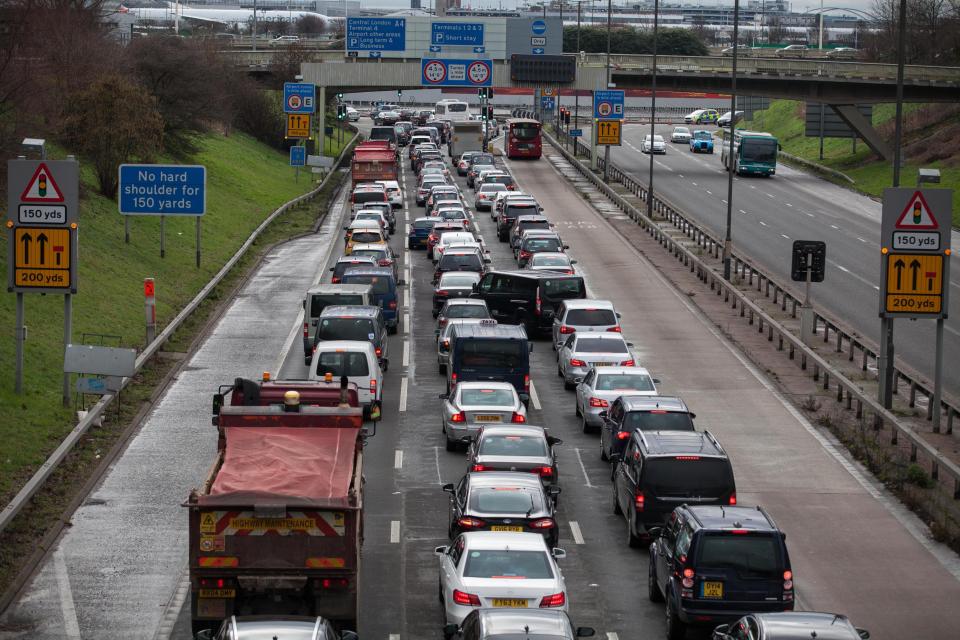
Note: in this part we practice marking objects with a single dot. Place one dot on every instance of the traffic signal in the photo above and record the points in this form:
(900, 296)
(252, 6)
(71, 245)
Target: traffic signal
(341, 112)
(485, 93)
(489, 113)
(566, 116)
(339, 97)
(399, 92)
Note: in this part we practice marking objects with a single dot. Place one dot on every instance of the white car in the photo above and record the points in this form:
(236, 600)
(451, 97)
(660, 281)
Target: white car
(394, 192)
(549, 261)
(499, 570)
(583, 316)
(659, 146)
(581, 351)
(352, 114)
(284, 41)
(452, 237)
(355, 359)
(597, 390)
(680, 134)
(472, 404)
(486, 194)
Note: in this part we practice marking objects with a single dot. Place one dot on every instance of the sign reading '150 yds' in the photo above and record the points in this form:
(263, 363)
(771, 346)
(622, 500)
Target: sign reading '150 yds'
(163, 190)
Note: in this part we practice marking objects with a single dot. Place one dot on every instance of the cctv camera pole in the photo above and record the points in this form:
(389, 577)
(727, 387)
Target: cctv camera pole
(254, 25)
(606, 149)
(653, 106)
(576, 92)
(728, 240)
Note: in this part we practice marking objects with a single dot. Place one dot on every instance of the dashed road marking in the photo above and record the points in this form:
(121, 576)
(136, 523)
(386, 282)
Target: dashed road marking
(394, 531)
(743, 212)
(612, 635)
(763, 223)
(398, 459)
(809, 214)
(788, 204)
(534, 398)
(71, 627)
(575, 530)
(403, 393)
(406, 353)
(709, 193)
(785, 236)
(436, 459)
(860, 239)
(406, 321)
(583, 468)
(833, 226)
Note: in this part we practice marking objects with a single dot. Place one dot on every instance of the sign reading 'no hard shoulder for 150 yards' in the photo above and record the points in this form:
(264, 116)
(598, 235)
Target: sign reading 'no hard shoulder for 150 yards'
(915, 248)
(162, 190)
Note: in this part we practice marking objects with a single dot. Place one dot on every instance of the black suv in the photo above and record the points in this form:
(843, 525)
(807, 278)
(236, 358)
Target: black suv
(716, 564)
(528, 297)
(660, 470)
(646, 413)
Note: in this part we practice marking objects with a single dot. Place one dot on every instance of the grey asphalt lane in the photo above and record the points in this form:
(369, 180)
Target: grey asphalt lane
(115, 572)
(770, 213)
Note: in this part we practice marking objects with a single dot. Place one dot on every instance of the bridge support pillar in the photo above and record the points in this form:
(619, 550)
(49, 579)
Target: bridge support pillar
(321, 107)
(864, 128)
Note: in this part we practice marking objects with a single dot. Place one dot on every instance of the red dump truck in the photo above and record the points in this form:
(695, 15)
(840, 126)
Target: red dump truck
(277, 526)
(373, 160)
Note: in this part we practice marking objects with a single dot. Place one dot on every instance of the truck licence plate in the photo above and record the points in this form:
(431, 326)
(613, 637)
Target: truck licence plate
(512, 603)
(217, 593)
(712, 589)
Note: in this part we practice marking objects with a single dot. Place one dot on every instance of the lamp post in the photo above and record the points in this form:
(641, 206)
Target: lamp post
(653, 105)
(728, 238)
(606, 149)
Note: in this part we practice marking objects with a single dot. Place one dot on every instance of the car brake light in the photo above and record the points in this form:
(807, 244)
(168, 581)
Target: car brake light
(334, 280)
(599, 402)
(471, 523)
(574, 362)
(623, 435)
(788, 584)
(393, 304)
(733, 499)
(627, 363)
(518, 418)
(543, 471)
(525, 254)
(542, 523)
(442, 292)
(616, 329)
(538, 302)
(465, 599)
(306, 330)
(565, 329)
(458, 417)
(479, 467)
(526, 382)
(688, 575)
(687, 457)
(219, 583)
(332, 583)
(639, 500)
(379, 351)
(373, 383)
(453, 376)
(385, 262)
(553, 600)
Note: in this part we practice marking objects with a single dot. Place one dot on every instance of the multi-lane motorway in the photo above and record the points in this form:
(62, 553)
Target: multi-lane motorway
(770, 213)
(118, 572)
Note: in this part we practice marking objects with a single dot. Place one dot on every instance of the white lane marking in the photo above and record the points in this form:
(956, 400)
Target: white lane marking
(763, 223)
(680, 174)
(406, 320)
(833, 226)
(788, 204)
(575, 530)
(71, 627)
(809, 214)
(534, 398)
(694, 183)
(743, 212)
(709, 193)
(393, 636)
(852, 274)
(398, 459)
(785, 236)
(436, 459)
(723, 201)
(583, 469)
(860, 239)
(843, 268)
(406, 353)
(394, 531)
(612, 635)
(403, 393)
(770, 195)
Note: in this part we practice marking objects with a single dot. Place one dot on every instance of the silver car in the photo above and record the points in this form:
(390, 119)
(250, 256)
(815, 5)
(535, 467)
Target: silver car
(583, 316)
(287, 627)
(443, 340)
(597, 390)
(584, 350)
(462, 308)
(470, 405)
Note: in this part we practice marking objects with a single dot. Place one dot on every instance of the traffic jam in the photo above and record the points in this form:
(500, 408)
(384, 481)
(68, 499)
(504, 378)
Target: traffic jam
(277, 529)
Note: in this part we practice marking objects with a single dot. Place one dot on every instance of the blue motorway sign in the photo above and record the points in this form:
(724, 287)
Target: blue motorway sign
(468, 34)
(435, 48)
(447, 72)
(576, 133)
(376, 34)
(298, 156)
(608, 104)
(537, 51)
(163, 190)
(547, 103)
(299, 97)
(538, 27)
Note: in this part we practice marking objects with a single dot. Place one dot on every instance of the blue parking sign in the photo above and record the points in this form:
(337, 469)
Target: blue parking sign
(298, 156)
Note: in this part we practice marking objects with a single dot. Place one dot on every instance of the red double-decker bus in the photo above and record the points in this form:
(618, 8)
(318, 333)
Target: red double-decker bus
(523, 138)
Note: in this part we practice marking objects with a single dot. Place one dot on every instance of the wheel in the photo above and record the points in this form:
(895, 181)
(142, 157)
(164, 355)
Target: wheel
(653, 591)
(392, 330)
(576, 408)
(442, 368)
(603, 450)
(385, 366)
(633, 540)
(617, 511)
(451, 444)
(676, 629)
(559, 372)
(583, 424)
(569, 386)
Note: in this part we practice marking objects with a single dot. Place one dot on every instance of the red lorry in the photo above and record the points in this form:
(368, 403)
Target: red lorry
(277, 526)
(373, 160)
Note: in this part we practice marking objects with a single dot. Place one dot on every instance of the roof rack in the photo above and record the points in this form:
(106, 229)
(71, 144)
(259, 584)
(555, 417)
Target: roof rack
(768, 517)
(643, 438)
(692, 514)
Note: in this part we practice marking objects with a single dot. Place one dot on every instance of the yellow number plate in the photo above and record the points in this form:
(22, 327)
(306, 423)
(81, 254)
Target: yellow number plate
(501, 527)
(487, 418)
(513, 603)
(712, 589)
(602, 364)
(217, 593)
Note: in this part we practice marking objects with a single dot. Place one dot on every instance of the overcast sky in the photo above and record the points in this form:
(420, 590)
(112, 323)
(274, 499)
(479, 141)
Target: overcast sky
(798, 5)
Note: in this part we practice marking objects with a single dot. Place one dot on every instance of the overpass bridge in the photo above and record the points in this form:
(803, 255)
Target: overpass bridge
(840, 84)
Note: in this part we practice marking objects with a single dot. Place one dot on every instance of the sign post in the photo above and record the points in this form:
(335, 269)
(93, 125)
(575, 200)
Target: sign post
(809, 264)
(43, 207)
(150, 304)
(915, 270)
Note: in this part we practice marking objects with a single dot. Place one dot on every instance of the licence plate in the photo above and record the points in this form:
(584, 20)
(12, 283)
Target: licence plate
(217, 593)
(512, 603)
(601, 364)
(487, 418)
(502, 527)
(712, 589)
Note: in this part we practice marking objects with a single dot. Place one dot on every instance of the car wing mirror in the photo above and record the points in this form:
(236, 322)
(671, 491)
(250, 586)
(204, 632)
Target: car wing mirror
(466, 439)
(450, 630)
(552, 440)
(401, 282)
(440, 550)
(614, 458)
(629, 344)
(553, 491)
(448, 487)
(530, 347)
(656, 381)
(559, 553)
(578, 380)
(721, 631)
(444, 396)
(653, 531)
(346, 634)
(206, 634)
(573, 262)
(863, 633)
(602, 414)
(586, 632)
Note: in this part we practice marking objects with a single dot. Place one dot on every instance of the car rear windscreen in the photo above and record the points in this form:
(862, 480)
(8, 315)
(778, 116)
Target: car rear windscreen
(460, 262)
(340, 268)
(373, 253)
(467, 311)
(658, 420)
(599, 345)
(361, 237)
(381, 284)
(492, 354)
(750, 554)
(346, 329)
(424, 224)
(624, 382)
(482, 158)
(543, 244)
(512, 500)
(534, 224)
(464, 280)
(564, 288)
(383, 133)
(591, 317)
(507, 445)
(688, 475)
(516, 564)
(368, 196)
(504, 180)
(341, 363)
(486, 397)
(320, 302)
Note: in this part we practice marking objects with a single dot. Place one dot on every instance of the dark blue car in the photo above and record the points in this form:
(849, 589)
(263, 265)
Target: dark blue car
(385, 291)
(420, 231)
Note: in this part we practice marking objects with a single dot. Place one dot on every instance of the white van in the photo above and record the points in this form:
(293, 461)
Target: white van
(355, 359)
(453, 110)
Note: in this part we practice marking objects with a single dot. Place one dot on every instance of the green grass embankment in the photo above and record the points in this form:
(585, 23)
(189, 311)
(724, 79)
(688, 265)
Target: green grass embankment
(785, 120)
(246, 181)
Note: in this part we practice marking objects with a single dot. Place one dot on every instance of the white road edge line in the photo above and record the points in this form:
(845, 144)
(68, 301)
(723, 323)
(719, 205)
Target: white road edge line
(406, 353)
(436, 459)
(583, 468)
(71, 627)
(612, 635)
(406, 317)
(575, 530)
(394, 531)
(393, 636)
(534, 398)
(398, 459)
(403, 394)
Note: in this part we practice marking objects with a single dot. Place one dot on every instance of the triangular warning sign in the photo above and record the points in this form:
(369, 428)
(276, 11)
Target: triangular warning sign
(917, 214)
(42, 187)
